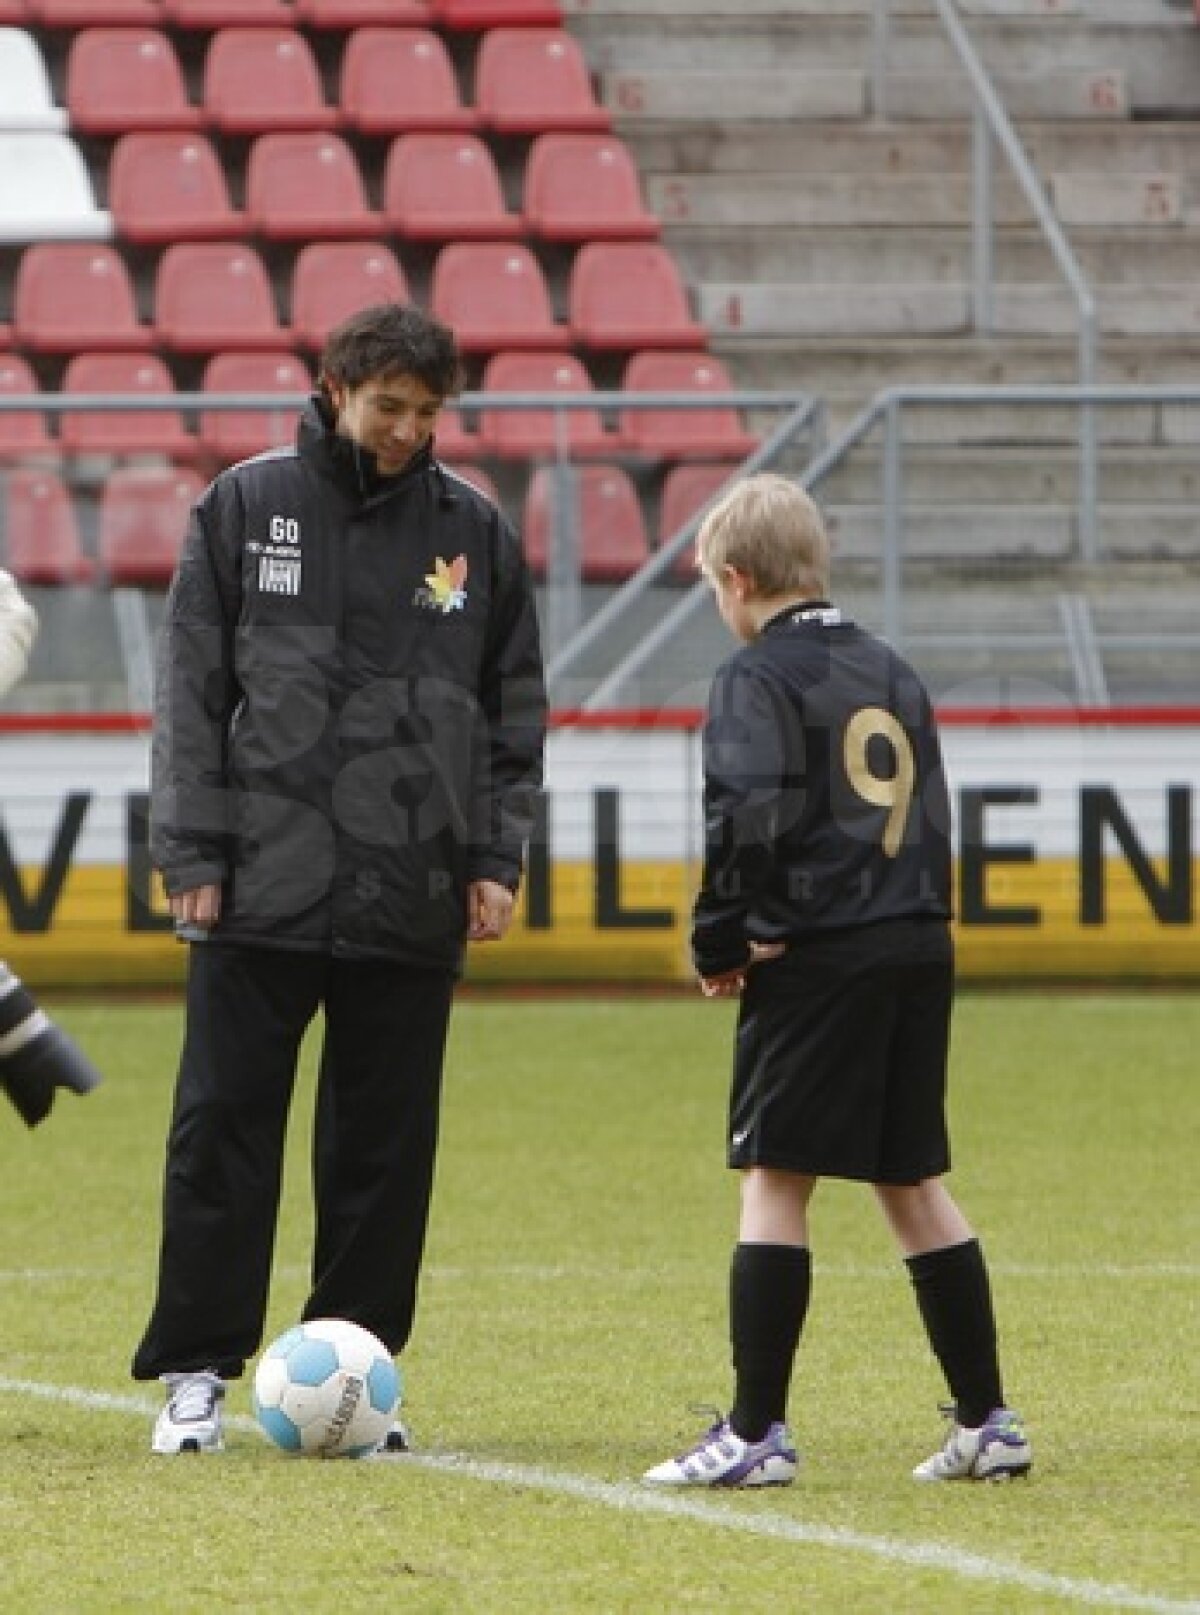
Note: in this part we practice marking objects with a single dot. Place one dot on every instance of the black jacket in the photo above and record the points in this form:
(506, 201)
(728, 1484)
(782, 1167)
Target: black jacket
(825, 799)
(349, 710)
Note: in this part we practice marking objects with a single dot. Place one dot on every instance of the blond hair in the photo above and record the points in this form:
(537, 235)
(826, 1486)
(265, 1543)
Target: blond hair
(767, 527)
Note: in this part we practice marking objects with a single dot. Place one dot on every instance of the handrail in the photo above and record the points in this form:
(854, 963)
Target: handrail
(463, 403)
(991, 119)
(887, 406)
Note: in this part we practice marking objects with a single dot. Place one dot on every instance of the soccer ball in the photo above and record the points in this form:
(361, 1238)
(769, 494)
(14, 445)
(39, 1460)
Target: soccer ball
(326, 1389)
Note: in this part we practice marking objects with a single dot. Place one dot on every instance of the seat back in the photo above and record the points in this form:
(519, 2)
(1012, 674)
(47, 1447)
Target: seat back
(396, 79)
(211, 295)
(120, 80)
(227, 13)
(445, 187)
(169, 185)
(41, 530)
(230, 435)
(681, 433)
(496, 13)
(528, 80)
(517, 434)
(46, 194)
(581, 187)
(26, 99)
(359, 13)
(22, 432)
(306, 183)
(494, 295)
(333, 279)
(628, 294)
(258, 79)
(70, 297)
(143, 521)
(134, 432)
(686, 489)
(101, 13)
(607, 516)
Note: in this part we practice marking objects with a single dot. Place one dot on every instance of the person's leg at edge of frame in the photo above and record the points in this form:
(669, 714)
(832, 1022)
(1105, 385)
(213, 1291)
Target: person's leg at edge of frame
(953, 1293)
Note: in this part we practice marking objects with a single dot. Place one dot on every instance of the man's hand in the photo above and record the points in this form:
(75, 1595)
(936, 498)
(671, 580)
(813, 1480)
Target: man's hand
(730, 983)
(200, 907)
(489, 910)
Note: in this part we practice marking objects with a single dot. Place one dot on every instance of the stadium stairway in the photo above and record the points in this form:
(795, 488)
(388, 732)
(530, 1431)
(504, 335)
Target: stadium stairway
(831, 249)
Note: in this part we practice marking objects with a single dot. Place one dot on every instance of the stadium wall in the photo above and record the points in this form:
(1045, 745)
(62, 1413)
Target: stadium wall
(1077, 850)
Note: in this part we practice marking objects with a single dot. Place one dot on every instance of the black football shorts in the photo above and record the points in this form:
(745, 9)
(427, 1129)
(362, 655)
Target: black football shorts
(840, 1061)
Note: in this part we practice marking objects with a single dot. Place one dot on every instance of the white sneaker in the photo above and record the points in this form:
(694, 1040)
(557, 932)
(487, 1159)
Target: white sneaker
(722, 1458)
(998, 1449)
(191, 1419)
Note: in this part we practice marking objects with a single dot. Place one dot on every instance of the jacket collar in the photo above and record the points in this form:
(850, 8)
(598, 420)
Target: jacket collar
(346, 462)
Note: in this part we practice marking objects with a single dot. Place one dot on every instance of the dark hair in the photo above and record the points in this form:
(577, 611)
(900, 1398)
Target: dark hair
(393, 339)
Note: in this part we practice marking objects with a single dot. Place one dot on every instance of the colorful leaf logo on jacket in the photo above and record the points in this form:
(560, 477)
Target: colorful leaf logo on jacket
(447, 584)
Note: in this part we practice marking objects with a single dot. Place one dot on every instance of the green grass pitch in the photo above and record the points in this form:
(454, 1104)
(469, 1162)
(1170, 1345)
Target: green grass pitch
(574, 1306)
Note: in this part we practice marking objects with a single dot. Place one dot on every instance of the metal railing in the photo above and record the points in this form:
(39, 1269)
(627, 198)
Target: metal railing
(991, 124)
(887, 409)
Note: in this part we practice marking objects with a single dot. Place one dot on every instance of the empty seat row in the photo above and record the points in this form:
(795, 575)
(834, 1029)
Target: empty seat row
(469, 14)
(143, 513)
(391, 79)
(507, 434)
(302, 185)
(622, 295)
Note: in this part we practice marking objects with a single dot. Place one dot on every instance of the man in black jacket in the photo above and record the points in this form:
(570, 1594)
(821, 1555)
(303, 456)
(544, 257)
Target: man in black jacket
(825, 905)
(348, 735)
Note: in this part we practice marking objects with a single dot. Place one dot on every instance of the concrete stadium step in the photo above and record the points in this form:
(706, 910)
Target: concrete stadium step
(852, 256)
(704, 144)
(941, 308)
(975, 474)
(1031, 531)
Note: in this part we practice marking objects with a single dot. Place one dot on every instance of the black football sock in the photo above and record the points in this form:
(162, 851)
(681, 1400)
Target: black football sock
(769, 1288)
(955, 1299)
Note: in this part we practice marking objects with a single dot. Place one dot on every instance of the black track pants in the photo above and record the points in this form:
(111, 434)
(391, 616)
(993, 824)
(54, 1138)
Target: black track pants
(375, 1138)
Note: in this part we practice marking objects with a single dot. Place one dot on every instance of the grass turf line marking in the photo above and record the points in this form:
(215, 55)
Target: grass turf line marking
(636, 1499)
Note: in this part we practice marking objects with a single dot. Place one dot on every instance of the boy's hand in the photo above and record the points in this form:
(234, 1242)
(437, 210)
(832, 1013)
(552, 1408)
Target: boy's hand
(730, 983)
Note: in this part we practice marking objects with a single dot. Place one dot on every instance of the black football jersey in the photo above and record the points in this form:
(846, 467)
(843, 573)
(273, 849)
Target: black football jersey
(825, 801)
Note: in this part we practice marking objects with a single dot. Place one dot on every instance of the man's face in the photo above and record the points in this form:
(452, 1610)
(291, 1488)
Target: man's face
(393, 416)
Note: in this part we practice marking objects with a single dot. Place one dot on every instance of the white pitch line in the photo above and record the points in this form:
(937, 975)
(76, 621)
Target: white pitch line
(633, 1499)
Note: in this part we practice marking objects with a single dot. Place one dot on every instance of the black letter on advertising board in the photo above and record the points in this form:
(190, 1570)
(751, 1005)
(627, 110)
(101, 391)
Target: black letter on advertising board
(35, 914)
(975, 856)
(139, 911)
(538, 914)
(1170, 901)
(610, 916)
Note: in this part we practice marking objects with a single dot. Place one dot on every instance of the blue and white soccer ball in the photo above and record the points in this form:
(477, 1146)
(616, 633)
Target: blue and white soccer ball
(326, 1389)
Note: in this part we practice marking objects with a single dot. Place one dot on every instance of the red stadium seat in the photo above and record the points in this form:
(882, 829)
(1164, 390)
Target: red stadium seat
(585, 188)
(496, 13)
(14, 11)
(475, 476)
(333, 279)
(494, 295)
(445, 187)
(454, 440)
(143, 519)
(41, 530)
(303, 185)
(120, 80)
(89, 13)
(230, 435)
(132, 432)
(682, 433)
(628, 294)
(70, 297)
(397, 79)
(521, 434)
(170, 186)
(258, 79)
(361, 13)
(530, 80)
(227, 13)
(23, 433)
(608, 520)
(686, 489)
(212, 295)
